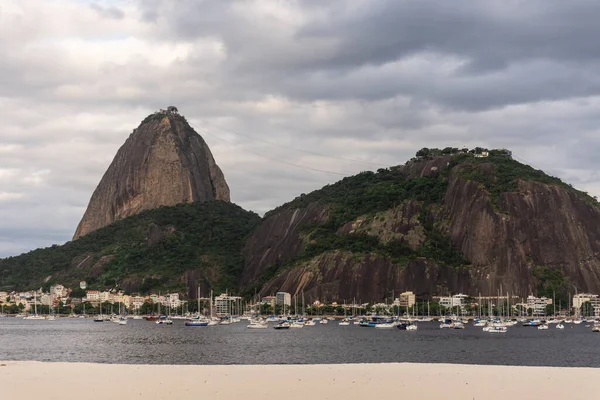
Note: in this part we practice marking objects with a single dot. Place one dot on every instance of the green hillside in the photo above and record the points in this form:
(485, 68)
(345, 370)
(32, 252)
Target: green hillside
(153, 250)
(369, 195)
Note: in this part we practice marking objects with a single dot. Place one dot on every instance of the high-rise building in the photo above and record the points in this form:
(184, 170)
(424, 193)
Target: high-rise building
(283, 299)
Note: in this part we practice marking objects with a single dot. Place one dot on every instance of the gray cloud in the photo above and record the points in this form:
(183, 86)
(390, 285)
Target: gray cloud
(271, 85)
(108, 12)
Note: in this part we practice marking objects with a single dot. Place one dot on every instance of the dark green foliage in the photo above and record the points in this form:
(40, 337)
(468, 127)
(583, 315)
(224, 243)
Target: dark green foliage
(552, 282)
(505, 175)
(195, 236)
(439, 248)
(370, 192)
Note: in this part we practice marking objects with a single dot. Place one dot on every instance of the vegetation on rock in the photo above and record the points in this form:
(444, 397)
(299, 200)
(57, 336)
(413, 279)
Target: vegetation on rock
(149, 251)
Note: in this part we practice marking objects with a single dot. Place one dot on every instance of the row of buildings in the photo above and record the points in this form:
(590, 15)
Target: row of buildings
(226, 304)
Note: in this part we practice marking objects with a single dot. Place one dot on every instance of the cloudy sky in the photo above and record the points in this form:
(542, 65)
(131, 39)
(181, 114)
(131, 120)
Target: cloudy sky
(290, 95)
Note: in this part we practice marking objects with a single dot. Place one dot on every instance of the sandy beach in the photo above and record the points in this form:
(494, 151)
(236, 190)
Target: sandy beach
(28, 379)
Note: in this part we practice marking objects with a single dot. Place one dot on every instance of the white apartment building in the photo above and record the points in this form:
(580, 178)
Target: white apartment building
(58, 291)
(458, 300)
(283, 299)
(170, 300)
(92, 296)
(137, 302)
(581, 298)
(225, 304)
(538, 304)
(105, 296)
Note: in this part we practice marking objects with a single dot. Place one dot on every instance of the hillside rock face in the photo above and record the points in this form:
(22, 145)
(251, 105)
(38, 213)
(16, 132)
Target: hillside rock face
(543, 225)
(163, 162)
(502, 240)
(278, 240)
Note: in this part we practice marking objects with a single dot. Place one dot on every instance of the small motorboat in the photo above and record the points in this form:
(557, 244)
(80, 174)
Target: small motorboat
(497, 329)
(542, 327)
(560, 326)
(196, 322)
(282, 325)
(385, 325)
(458, 325)
(257, 325)
(164, 321)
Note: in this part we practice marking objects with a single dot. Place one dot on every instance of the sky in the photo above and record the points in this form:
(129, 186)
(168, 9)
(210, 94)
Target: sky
(289, 95)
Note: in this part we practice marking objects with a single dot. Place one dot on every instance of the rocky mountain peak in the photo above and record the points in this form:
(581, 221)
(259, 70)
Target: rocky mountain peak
(162, 163)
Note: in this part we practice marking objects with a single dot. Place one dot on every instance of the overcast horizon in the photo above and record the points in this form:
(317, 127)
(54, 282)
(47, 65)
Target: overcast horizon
(289, 95)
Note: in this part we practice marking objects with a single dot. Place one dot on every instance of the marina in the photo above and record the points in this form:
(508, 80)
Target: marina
(244, 341)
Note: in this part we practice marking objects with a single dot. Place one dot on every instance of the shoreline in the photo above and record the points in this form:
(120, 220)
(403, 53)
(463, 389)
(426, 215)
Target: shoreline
(30, 379)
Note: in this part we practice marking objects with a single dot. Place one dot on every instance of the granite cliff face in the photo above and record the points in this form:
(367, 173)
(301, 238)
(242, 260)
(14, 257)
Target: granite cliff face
(163, 162)
(437, 225)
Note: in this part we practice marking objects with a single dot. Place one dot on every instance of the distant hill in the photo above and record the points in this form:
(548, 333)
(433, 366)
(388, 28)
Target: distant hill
(447, 221)
(168, 248)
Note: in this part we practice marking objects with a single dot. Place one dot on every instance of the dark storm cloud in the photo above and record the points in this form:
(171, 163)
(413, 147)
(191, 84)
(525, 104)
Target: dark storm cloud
(281, 89)
(509, 52)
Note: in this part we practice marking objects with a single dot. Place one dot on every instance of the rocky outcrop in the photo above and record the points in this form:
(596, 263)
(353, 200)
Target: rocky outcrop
(278, 240)
(399, 223)
(342, 276)
(163, 162)
(540, 225)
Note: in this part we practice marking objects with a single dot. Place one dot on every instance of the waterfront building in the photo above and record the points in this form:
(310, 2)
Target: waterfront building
(170, 300)
(45, 299)
(269, 300)
(283, 299)
(538, 305)
(92, 296)
(58, 291)
(458, 300)
(226, 304)
(406, 299)
(137, 302)
(105, 296)
(582, 298)
(3, 297)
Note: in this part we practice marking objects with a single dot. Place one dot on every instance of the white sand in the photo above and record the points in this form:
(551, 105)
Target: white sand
(49, 381)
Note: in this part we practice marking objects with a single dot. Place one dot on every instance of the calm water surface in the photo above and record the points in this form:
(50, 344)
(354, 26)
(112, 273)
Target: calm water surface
(143, 342)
